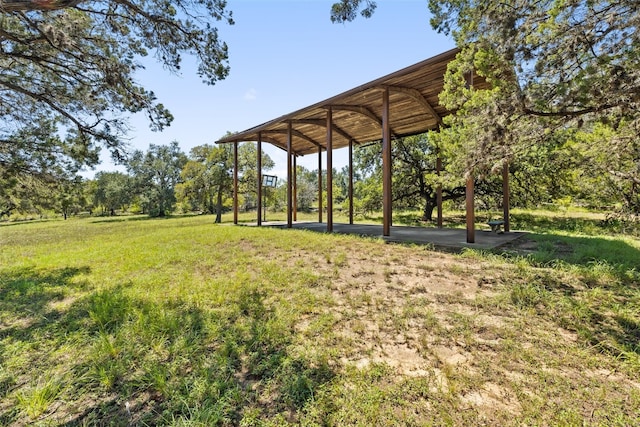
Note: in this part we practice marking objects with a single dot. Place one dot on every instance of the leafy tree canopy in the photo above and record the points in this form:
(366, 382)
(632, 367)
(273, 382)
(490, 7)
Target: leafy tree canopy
(71, 65)
(552, 64)
(155, 175)
(347, 10)
(557, 68)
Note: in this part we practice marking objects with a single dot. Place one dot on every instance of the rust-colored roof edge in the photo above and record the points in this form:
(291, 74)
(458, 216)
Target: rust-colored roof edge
(251, 134)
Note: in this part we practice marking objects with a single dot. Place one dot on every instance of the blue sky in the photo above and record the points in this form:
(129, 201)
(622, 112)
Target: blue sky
(285, 55)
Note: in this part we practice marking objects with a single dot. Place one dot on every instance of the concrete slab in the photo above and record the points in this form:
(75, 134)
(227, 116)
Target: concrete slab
(445, 238)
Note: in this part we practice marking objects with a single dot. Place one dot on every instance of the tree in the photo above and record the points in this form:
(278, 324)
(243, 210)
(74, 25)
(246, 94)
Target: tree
(207, 178)
(347, 10)
(307, 187)
(70, 65)
(615, 174)
(415, 180)
(156, 174)
(247, 171)
(69, 196)
(27, 173)
(113, 191)
(552, 65)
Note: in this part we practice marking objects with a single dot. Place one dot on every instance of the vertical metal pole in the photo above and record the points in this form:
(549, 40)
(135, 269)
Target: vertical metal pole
(289, 177)
(295, 189)
(470, 202)
(259, 178)
(439, 191)
(471, 214)
(386, 166)
(351, 182)
(505, 196)
(329, 170)
(320, 185)
(235, 182)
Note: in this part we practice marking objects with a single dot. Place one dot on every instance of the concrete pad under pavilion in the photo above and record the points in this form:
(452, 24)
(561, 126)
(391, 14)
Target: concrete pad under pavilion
(441, 238)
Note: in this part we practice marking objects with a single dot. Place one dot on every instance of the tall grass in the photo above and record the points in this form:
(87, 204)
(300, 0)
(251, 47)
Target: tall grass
(183, 322)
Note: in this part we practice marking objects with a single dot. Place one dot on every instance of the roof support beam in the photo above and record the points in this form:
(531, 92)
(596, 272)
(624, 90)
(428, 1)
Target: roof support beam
(505, 196)
(295, 189)
(294, 133)
(323, 123)
(470, 210)
(364, 111)
(470, 202)
(360, 110)
(351, 182)
(235, 182)
(417, 96)
(320, 185)
(289, 176)
(270, 140)
(439, 190)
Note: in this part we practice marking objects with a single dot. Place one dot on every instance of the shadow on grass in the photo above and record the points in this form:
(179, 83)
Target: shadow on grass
(600, 253)
(137, 218)
(600, 306)
(173, 362)
(597, 323)
(6, 223)
(538, 222)
(26, 294)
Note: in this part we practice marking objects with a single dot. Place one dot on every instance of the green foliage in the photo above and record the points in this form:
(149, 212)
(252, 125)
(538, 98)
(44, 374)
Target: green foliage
(36, 400)
(613, 151)
(347, 10)
(307, 186)
(207, 179)
(70, 71)
(156, 174)
(556, 68)
(415, 177)
(113, 191)
(247, 163)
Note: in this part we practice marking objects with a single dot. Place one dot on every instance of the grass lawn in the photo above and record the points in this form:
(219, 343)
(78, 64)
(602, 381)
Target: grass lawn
(135, 321)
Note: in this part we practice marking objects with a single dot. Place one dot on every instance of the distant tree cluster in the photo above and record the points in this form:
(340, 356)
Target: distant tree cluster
(157, 182)
(164, 180)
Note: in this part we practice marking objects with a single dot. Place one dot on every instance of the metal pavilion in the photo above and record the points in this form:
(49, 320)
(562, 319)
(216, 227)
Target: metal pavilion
(403, 103)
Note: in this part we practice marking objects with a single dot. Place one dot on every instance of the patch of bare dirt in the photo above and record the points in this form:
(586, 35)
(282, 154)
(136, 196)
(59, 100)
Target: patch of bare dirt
(396, 307)
(422, 313)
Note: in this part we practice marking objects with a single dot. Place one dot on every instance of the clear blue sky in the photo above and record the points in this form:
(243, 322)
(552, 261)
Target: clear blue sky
(285, 55)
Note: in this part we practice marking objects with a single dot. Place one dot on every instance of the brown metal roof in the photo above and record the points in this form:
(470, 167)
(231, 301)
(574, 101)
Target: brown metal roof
(357, 113)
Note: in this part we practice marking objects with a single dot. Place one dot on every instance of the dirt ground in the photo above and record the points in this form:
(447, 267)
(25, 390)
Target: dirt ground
(418, 312)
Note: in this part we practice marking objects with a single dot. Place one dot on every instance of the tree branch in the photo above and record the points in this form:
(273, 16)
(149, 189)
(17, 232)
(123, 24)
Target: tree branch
(27, 5)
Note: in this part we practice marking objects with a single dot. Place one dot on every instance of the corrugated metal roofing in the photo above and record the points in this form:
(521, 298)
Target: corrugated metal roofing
(357, 113)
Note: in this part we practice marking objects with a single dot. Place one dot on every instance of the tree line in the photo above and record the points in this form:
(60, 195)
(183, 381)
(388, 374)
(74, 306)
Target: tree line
(164, 180)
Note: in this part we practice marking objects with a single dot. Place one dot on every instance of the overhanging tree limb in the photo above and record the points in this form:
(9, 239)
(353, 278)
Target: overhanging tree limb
(26, 5)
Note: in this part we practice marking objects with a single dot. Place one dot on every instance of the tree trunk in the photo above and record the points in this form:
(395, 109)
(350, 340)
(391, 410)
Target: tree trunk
(219, 206)
(429, 205)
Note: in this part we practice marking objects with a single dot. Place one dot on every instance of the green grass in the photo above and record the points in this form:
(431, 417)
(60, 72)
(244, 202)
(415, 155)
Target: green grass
(178, 321)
